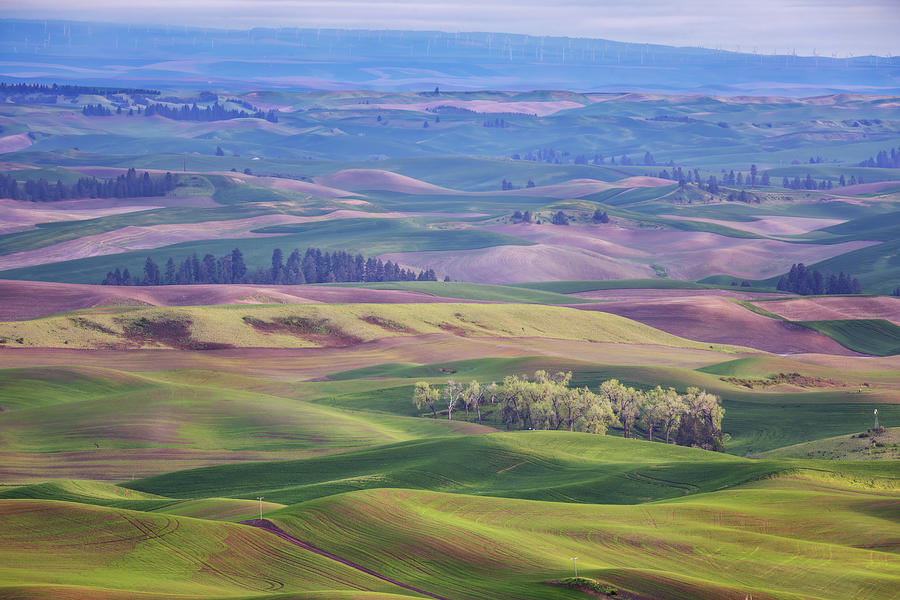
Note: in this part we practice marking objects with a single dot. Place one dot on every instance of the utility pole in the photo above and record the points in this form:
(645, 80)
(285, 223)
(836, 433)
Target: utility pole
(260, 498)
(575, 563)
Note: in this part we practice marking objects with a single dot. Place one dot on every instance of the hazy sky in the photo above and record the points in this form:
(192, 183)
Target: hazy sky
(839, 27)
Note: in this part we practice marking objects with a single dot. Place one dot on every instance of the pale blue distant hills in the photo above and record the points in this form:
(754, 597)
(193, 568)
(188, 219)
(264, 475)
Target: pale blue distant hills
(302, 59)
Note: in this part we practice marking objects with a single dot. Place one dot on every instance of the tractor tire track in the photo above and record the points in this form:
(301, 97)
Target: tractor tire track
(275, 529)
(150, 532)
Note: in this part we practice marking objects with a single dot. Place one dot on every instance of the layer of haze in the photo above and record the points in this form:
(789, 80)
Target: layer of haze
(823, 27)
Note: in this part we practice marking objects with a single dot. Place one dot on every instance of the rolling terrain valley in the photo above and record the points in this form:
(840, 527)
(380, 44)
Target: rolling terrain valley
(306, 314)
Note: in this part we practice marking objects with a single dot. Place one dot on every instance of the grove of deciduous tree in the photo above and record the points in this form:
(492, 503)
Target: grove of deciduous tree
(547, 401)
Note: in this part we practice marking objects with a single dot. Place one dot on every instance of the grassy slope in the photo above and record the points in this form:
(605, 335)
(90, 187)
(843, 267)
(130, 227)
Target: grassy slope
(226, 324)
(197, 413)
(473, 291)
(367, 236)
(53, 543)
(868, 336)
(698, 547)
(574, 287)
(539, 465)
(869, 446)
(113, 496)
(757, 419)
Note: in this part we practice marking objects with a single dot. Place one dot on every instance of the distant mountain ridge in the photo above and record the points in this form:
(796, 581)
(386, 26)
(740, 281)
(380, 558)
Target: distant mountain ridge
(303, 59)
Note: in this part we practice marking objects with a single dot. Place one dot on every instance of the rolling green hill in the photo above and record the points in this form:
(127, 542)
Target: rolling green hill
(663, 549)
(538, 465)
(869, 336)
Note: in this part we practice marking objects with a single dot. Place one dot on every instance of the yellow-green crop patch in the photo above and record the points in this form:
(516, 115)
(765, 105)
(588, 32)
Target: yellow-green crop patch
(317, 325)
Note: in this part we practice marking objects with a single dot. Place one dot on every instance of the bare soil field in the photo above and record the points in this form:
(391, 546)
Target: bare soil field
(13, 143)
(768, 225)
(718, 320)
(578, 188)
(374, 179)
(541, 109)
(22, 300)
(519, 264)
(574, 188)
(156, 236)
(20, 216)
(294, 185)
(628, 295)
(869, 188)
(643, 181)
(826, 309)
(297, 364)
(685, 254)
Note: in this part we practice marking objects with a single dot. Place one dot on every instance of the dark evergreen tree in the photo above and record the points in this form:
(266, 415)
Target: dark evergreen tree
(600, 216)
(238, 268)
(805, 281)
(170, 272)
(151, 272)
(277, 266)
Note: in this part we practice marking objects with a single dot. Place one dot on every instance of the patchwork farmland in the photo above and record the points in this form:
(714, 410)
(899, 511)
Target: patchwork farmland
(460, 344)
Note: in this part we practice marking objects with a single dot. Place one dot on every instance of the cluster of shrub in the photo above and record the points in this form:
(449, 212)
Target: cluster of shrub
(509, 185)
(742, 196)
(497, 122)
(558, 218)
(811, 282)
(313, 266)
(679, 174)
(129, 185)
(809, 183)
(547, 401)
(885, 159)
(97, 110)
(214, 112)
(552, 156)
(751, 179)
